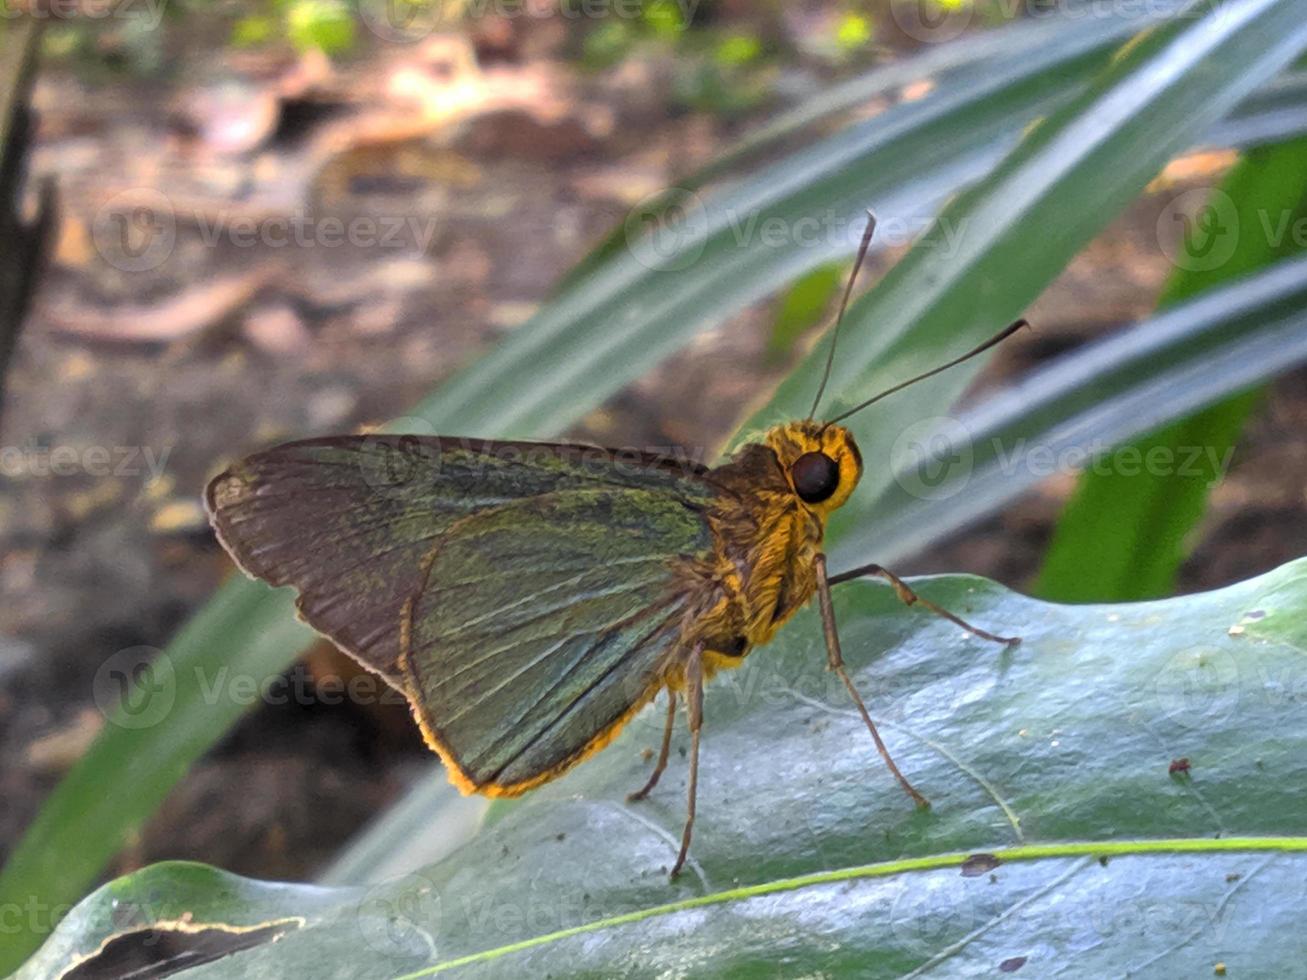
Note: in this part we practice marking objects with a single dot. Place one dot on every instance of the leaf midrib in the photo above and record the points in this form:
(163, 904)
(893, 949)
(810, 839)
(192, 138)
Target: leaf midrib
(884, 869)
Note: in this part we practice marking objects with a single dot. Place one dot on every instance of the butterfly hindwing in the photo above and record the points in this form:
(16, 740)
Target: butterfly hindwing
(544, 624)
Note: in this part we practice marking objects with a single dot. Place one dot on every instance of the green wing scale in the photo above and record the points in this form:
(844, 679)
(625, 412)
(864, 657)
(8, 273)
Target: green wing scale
(543, 625)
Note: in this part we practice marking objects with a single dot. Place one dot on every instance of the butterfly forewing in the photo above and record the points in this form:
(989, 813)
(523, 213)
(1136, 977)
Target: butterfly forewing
(351, 521)
(545, 623)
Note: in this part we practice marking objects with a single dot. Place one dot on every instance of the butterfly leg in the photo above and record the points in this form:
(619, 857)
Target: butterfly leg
(694, 704)
(836, 663)
(908, 597)
(663, 753)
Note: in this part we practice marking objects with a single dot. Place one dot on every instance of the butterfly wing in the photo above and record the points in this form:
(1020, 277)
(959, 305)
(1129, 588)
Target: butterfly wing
(544, 624)
(349, 520)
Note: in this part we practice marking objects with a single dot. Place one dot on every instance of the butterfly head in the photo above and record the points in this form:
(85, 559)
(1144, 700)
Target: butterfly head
(821, 462)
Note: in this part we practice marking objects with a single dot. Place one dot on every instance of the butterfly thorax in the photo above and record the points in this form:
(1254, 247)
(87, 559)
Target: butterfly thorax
(767, 536)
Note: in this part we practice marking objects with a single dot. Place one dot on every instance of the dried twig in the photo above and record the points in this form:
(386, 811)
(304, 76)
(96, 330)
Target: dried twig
(20, 261)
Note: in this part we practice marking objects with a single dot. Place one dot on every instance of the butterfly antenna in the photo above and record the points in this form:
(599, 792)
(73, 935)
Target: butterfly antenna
(998, 338)
(844, 305)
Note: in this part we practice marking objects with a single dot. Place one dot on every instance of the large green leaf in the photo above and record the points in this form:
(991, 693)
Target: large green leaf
(1125, 531)
(1055, 756)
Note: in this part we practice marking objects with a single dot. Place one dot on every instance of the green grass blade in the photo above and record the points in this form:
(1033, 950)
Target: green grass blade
(997, 245)
(1127, 529)
(1066, 414)
(941, 64)
(803, 306)
(649, 298)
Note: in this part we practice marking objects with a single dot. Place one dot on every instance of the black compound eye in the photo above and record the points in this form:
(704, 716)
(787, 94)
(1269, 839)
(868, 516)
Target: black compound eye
(815, 477)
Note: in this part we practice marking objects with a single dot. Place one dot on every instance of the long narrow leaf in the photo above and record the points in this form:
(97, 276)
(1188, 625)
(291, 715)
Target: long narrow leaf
(1125, 533)
(1066, 414)
(996, 246)
(942, 65)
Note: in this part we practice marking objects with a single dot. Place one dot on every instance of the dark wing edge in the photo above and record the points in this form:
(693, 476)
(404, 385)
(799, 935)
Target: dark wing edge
(266, 512)
(465, 781)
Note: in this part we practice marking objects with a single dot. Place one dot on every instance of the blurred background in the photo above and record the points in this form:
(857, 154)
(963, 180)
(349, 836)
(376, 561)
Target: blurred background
(297, 217)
